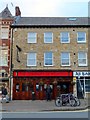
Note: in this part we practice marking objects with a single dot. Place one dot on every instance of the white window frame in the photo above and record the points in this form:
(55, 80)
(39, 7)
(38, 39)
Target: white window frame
(62, 37)
(65, 58)
(3, 57)
(78, 35)
(83, 58)
(48, 58)
(5, 33)
(28, 37)
(45, 37)
(32, 59)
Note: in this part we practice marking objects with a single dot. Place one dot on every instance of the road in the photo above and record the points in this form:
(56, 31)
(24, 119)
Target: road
(83, 115)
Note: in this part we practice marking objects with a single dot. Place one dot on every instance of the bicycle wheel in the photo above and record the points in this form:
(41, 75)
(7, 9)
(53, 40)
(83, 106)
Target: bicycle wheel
(72, 102)
(77, 102)
(58, 102)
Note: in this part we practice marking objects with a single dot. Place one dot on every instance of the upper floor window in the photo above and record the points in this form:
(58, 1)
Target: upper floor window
(31, 37)
(31, 59)
(81, 37)
(64, 36)
(3, 57)
(65, 59)
(48, 37)
(4, 33)
(48, 58)
(82, 59)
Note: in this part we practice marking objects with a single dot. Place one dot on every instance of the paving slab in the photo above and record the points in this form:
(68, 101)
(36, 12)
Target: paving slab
(39, 106)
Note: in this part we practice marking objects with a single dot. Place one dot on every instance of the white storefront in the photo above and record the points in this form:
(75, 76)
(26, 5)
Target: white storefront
(82, 83)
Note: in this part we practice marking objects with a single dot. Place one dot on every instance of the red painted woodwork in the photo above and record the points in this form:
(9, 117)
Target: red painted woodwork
(41, 74)
(35, 77)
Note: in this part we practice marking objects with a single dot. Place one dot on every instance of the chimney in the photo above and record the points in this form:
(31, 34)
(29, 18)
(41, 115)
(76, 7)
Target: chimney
(17, 11)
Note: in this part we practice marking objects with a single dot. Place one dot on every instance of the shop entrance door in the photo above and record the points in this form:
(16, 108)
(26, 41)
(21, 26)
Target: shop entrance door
(23, 90)
(80, 88)
(28, 92)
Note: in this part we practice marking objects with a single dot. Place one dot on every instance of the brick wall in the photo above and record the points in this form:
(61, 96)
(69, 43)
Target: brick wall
(20, 39)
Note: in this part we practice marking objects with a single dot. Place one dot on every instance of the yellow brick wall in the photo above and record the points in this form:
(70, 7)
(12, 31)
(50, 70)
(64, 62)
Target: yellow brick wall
(20, 39)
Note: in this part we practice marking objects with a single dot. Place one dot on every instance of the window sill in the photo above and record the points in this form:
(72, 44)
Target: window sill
(48, 65)
(83, 66)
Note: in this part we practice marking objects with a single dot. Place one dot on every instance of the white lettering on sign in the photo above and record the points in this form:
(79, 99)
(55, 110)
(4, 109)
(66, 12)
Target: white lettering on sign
(86, 74)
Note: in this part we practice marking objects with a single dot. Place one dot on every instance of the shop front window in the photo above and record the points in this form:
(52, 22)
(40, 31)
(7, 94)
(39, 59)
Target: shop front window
(37, 87)
(17, 87)
(41, 88)
(31, 88)
(24, 87)
(87, 85)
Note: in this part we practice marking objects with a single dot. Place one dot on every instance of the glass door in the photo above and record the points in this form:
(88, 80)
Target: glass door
(80, 88)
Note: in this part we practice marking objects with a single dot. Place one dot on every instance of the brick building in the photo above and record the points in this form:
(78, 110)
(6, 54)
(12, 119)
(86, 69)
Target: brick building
(6, 20)
(49, 50)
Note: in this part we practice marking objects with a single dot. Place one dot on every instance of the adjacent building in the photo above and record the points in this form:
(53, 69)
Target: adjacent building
(50, 50)
(6, 20)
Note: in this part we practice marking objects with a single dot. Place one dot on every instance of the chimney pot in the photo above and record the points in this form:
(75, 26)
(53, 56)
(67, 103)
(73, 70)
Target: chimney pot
(17, 11)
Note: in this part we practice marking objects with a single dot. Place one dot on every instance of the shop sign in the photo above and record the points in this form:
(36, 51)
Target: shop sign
(81, 74)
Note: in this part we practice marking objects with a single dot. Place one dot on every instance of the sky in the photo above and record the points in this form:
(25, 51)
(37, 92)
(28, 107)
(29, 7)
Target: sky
(48, 8)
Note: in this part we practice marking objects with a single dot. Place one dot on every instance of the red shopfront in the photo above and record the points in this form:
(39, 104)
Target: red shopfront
(29, 83)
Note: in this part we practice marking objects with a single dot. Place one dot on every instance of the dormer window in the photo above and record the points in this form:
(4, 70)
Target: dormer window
(72, 19)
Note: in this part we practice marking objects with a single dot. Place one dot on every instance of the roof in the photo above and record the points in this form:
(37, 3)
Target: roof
(6, 13)
(51, 21)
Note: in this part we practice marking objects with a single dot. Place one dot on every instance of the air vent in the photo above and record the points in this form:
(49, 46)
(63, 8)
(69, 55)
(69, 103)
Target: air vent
(72, 19)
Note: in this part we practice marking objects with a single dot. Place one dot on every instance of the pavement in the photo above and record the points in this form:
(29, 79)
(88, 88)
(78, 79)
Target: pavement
(39, 106)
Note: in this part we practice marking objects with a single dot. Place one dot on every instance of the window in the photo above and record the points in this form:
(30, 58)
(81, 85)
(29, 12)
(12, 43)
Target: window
(4, 33)
(3, 57)
(82, 59)
(17, 87)
(48, 58)
(72, 19)
(31, 59)
(37, 87)
(48, 37)
(31, 37)
(65, 59)
(81, 37)
(87, 85)
(64, 36)
(23, 87)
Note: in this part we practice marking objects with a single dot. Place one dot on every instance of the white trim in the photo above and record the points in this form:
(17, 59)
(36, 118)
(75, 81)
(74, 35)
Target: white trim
(61, 59)
(44, 37)
(85, 58)
(68, 37)
(35, 59)
(81, 41)
(52, 59)
(35, 37)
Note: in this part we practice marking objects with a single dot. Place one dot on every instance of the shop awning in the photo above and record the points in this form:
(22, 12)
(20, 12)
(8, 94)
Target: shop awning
(42, 73)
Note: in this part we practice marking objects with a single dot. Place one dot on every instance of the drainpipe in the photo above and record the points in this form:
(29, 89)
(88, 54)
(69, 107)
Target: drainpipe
(10, 82)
